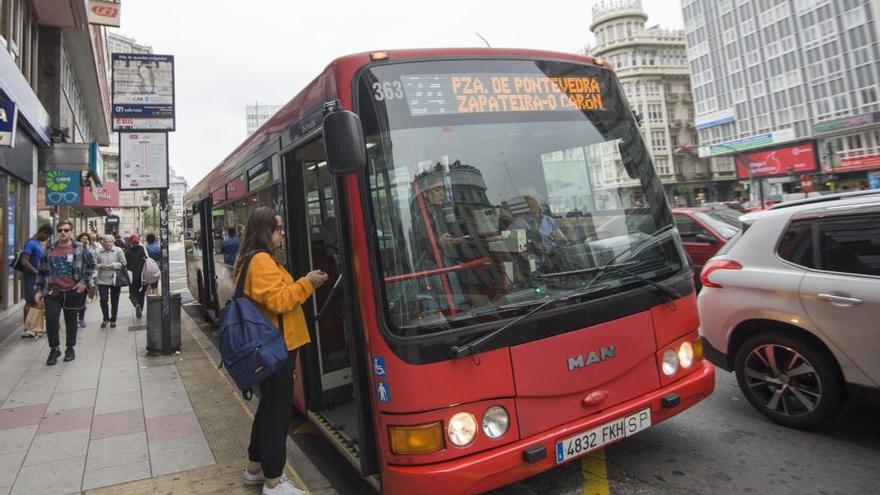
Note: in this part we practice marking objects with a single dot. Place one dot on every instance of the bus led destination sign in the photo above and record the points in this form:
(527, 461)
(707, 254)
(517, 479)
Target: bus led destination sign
(438, 94)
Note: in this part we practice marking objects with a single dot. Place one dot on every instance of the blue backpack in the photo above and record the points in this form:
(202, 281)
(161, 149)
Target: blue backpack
(251, 347)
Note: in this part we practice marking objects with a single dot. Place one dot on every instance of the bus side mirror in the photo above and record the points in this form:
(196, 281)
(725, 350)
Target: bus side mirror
(344, 143)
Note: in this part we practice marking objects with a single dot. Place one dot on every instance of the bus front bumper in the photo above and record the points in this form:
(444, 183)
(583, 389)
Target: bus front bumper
(505, 465)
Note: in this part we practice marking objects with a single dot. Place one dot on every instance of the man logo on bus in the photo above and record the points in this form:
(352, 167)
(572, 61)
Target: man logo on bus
(581, 361)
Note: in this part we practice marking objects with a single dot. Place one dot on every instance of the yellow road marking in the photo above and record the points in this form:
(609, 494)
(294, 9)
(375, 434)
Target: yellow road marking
(235, 392)
(595, 474)
(307, 428)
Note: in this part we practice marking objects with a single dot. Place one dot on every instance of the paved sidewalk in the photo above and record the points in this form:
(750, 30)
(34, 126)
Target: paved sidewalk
(115, 415)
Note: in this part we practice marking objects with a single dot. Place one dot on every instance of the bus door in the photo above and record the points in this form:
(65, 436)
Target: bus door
(313, 219)
(206, 278)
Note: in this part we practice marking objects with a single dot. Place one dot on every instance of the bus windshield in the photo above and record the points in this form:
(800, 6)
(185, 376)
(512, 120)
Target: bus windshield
(497, 184)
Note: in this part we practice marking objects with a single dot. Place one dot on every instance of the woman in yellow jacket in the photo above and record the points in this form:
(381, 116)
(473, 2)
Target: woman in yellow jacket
(275, 292)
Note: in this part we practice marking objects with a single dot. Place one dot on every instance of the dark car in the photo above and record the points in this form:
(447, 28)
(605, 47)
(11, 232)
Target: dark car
(704, 230)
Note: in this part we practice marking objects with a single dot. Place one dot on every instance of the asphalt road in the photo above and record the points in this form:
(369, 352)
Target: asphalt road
(720, 446)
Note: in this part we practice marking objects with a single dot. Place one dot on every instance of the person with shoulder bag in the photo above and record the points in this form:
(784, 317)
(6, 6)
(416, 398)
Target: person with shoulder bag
(280, 298)
(112, 276)
(66, 273)
(28, 262)
(134, 257)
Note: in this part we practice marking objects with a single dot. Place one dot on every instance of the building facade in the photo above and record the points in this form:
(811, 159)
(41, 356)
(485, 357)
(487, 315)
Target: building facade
(257, 115)
(767, 73)
(51, 62)
(177, 187)
(652, 67)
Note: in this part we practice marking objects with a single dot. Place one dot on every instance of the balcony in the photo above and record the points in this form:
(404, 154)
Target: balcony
(673, 96)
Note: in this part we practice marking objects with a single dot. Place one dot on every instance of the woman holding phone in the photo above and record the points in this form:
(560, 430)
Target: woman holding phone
(280, 298)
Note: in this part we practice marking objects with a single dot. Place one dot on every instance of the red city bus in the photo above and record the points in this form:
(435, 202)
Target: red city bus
(508, 289)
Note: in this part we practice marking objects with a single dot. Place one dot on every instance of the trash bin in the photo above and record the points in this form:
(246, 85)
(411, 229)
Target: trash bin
(154, 325)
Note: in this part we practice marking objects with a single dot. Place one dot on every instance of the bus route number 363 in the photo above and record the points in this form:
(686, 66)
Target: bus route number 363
(600, 436)
(388, 90)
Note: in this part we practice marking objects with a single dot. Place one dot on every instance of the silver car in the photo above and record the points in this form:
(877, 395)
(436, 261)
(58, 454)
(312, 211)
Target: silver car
(792, 305)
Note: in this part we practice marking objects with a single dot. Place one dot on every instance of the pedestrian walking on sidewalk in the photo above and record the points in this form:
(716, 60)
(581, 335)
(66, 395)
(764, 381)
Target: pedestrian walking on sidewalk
(86, 240)
(135, 255)
(111, 260)
(66, 273)
(279, 297)
(31, 257)
(154, 251)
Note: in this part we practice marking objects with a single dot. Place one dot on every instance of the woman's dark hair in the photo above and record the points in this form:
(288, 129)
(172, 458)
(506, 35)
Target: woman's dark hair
(257, 236)
(151, 238)
(84, 234)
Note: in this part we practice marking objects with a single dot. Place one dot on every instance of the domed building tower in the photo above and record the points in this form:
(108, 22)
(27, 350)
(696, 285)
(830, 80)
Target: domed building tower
(651, 64)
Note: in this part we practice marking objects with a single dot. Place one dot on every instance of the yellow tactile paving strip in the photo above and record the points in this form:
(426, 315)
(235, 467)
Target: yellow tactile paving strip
(225, 421)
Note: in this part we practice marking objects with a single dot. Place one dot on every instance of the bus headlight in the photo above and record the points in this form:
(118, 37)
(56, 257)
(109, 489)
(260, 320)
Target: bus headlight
(670, 362)
(686, 355)
(462, 429)
(495, 422)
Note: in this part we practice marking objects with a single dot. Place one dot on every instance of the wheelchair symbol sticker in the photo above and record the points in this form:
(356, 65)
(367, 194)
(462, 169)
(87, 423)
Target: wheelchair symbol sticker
(379, 366)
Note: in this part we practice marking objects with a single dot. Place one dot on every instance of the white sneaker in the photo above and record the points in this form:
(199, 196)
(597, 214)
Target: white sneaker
(284, 487)
(27, 334)
(251, 479)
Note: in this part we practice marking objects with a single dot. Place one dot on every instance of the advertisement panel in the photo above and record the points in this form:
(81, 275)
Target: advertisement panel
(104, 12)
(143, 160)
(143, 92)
(235, 189)
(8, 114)
(798, 158)
(62, 187)
(106, 196)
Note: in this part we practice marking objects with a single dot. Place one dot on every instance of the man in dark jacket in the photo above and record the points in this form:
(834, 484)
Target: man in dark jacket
(67, 270)
(135, 255)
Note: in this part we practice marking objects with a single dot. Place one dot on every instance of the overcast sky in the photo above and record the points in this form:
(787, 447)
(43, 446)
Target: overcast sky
(229, 54)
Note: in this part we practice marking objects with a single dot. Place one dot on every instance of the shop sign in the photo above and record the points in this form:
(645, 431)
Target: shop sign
(715, 119)
(852, 163)
(106, 196)
(847, 123)
(62, 187)
(96, 162)
(104, 12)
(8, 114)
(143, 92)
(235, 189)
(746, 143)
(798, 158)
(874, 180)
(218, 196)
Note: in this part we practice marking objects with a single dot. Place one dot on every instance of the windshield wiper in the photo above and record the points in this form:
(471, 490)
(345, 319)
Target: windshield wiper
(473, 346)
(670, 294)
(592, 269)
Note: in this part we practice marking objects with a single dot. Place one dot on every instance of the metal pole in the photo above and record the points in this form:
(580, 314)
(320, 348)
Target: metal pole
(166, 286)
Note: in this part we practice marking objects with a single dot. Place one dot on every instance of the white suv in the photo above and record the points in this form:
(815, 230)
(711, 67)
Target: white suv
(793, 305)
